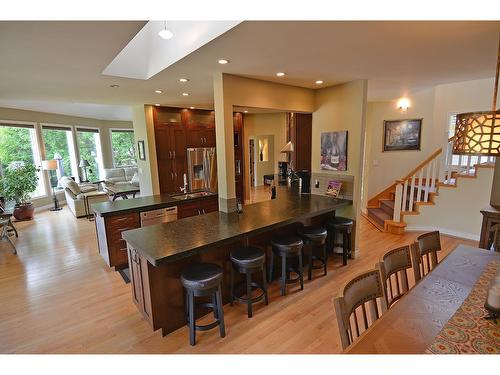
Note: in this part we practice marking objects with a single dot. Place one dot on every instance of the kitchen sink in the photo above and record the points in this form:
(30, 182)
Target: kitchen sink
(192, 195)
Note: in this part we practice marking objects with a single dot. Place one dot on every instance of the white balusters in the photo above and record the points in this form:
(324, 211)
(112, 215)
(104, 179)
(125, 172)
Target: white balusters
(419, 190)
(405, 194)
(427, 182)
(412, 193)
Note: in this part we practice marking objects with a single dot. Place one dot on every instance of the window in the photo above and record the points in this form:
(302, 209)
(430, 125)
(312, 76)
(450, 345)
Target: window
(58, 142)
(122, 143)
(18, 142)
(89, 147)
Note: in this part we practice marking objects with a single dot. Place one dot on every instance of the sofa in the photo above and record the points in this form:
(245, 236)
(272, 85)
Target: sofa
(76, 194)
(117, 176)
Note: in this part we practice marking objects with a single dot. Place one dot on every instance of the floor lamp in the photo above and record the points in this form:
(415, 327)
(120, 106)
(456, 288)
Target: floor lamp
(51, 165)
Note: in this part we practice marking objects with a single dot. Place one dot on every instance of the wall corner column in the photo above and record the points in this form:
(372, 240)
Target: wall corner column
(224, 133)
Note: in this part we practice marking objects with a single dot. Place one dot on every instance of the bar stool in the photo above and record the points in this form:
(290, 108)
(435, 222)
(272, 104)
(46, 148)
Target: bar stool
(344, 226)
(288, 248)
(314, 237)
(247, 260)
(203, 279)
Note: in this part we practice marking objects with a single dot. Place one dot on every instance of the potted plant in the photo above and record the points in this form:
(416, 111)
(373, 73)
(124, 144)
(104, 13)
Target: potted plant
(19, 180)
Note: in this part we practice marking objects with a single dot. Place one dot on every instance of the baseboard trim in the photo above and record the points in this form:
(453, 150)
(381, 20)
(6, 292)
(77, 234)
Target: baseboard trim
(448, 232)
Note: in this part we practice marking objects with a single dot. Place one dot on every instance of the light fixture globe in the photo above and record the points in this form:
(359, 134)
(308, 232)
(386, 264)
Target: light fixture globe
(165, 33)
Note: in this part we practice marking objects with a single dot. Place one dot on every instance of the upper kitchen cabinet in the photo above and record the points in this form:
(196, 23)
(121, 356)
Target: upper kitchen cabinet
(201, 128)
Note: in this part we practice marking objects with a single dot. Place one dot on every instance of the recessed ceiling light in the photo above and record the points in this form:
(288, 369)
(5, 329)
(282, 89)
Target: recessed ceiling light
(183, 80)
(319, 82)
(223, 61)
(164, 33)
(114, 86)
(158, 91)
(245, 111)
(157, 104)
(191, 107)
(280, 74)
(185, 94)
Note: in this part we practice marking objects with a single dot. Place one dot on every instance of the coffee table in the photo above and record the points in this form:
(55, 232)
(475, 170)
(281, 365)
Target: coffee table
(122, 190)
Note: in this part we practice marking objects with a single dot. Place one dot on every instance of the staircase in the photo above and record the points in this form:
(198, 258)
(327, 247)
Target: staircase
(387, 210)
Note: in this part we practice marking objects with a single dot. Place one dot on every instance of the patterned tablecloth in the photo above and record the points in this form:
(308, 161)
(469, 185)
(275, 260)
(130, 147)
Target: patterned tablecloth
(467, 331)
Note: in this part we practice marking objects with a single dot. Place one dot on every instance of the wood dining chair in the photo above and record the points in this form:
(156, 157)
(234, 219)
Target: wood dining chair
(393, 268)
(424, 254)
(364, 292)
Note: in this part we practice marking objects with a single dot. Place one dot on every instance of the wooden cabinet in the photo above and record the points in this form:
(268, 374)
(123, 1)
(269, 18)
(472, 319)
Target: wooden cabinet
(238, 155)
(300, 130)
(200, 135)
(112, 247)
(200, 207)
(491, 221)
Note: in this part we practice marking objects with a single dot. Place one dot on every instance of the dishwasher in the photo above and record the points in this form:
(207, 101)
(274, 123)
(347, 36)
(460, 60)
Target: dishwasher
(163, 215)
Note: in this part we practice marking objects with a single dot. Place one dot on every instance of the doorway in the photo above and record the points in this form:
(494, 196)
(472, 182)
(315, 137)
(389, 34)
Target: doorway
(251, 155)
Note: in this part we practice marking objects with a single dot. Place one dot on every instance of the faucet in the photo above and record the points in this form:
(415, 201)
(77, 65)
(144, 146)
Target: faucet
(185, 188)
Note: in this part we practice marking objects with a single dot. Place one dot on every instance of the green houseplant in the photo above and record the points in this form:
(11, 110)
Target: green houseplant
(19, 180)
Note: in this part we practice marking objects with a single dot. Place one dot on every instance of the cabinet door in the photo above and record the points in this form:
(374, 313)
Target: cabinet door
(178, 142)
(188, 210)
(209, 137)
(135, 278)
(163, 142)
(166, 176)
(209, 205)
(194, 136)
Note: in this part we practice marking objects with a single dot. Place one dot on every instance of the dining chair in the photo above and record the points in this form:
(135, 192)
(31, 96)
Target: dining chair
(424, 254)
(364, 292)
(393, 268)
(4, 232)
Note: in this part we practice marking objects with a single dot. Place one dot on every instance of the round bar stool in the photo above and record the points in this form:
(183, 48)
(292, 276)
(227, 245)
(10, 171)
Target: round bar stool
(247, 260)
(343, 225)
(199, 280)
(289, 249)
(315, 237)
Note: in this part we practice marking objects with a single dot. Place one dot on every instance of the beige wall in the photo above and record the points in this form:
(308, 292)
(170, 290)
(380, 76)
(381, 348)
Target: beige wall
(342, 107)
(434, 106)
(264, 124)
(144, 131)
(104, 127)
(230, 91)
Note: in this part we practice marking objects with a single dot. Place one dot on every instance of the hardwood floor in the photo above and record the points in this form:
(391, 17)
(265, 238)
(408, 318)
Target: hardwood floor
(58, 296)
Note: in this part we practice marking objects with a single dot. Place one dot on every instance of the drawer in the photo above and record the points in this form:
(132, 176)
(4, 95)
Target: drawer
(122, 221)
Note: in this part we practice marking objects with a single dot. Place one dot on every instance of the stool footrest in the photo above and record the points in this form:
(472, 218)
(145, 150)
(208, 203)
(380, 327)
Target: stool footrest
(258, 298)
(208, 326)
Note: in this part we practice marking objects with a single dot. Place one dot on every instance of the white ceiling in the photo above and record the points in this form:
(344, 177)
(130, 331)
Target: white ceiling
(62, 62)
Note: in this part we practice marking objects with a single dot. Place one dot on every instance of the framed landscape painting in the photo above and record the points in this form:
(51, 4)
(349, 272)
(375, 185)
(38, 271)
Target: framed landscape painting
(402, 135)
(334, 151)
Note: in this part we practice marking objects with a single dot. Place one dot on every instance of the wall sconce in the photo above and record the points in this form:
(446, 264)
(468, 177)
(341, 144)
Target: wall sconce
(403, 104)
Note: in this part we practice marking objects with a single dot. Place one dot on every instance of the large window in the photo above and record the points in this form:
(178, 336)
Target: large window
(89, 147)
(122, 142)
(59, 145)
(18, 142)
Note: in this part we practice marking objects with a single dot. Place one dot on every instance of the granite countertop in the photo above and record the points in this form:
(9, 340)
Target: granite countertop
(147, 203)
(168, 242)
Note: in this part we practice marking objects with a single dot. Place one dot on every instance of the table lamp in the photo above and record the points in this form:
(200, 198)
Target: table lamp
(51, 165)
(84, 164)
(478, 134)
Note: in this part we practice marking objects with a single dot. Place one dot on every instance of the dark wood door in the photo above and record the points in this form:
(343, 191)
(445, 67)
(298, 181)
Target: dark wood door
(303, 139)
(165, 176)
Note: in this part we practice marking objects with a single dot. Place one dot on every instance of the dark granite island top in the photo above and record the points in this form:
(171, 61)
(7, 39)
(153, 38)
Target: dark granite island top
(169, 242)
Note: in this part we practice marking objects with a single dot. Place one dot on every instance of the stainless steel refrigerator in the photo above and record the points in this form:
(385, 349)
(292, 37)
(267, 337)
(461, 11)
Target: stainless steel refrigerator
(202, 168)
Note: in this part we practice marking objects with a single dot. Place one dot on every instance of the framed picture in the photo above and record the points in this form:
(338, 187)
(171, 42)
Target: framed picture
(402, 134)
(141, 150)
(334, 151)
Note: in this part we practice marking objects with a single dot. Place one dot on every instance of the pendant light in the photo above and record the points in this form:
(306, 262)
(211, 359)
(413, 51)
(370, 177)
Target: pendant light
(165, 33)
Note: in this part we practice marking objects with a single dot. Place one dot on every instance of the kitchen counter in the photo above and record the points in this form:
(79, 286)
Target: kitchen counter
(157, 254)
(147, 203)
(182, 238)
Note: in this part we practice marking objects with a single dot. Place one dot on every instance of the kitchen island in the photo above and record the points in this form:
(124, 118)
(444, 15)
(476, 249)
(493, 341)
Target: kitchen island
(157, 254)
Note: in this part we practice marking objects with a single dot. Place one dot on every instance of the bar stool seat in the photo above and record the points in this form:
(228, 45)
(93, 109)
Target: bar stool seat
(343, 225)
(201, 276)
(203, 279)
(248, 256)
(248, 260)
(315, 236)
(288, 248)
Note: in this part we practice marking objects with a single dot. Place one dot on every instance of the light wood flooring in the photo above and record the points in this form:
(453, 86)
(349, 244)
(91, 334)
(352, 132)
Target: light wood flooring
(58, 296)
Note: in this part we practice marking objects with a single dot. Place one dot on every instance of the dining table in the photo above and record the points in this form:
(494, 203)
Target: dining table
(443, 313)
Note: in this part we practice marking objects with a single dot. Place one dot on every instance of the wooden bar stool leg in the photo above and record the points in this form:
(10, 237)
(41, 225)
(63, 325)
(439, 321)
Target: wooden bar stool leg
(249, 293)
(220, 312)
(283, 275)
(264, 285)
(325, 258)
(349, 243)
(301, 273)
(310, 260)
(192, 331)
(214, 303)
(231, 297)
(271, 267)
(344, 248)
